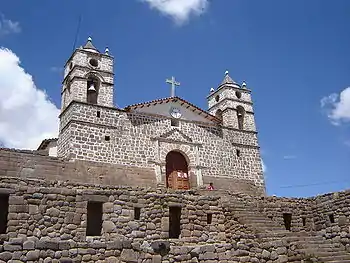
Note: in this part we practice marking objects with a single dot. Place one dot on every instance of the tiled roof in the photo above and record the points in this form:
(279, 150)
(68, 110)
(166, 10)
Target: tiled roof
(45, 142)
(174, 99)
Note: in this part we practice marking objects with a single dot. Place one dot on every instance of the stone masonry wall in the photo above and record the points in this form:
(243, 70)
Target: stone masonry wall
(144, 141)
(26, 164)
(336, 207)
(47, 222)
(76, 74)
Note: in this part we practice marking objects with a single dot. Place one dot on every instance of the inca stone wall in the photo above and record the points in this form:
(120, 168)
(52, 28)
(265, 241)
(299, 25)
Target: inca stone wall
(47, 222)
(144, 141)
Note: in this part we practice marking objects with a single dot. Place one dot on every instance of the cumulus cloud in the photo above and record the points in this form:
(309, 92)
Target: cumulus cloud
(7, 26)
(337, 106)
(27, 116)
(179, 10)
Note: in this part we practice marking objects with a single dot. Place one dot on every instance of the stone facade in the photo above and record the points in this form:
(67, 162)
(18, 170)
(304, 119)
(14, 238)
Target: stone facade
(143, 134)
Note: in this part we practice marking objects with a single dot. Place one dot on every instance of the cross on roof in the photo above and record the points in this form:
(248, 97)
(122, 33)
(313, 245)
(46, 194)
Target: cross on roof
(173, 83)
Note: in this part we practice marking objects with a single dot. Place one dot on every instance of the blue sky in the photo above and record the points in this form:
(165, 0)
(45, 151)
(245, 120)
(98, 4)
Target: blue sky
(292, 54)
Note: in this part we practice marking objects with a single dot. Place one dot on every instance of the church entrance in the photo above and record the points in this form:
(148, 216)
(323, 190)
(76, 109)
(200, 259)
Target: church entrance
(177, 171)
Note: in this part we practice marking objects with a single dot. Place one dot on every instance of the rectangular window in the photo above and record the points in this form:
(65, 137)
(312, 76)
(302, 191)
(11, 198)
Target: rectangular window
(304, 221)
(175, 123)
(4, 206)
(174, 222)
(137, 213)
(98, 114)
(331, 218)
(107, 138)
(287, 218)
(209, 218)
(94, 219)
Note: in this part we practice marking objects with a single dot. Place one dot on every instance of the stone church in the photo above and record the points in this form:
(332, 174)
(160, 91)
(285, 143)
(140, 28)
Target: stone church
(130, 185)
(187, 147)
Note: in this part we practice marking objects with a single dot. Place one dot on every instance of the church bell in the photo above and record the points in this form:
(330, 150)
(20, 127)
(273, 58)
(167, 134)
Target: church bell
(92, 87)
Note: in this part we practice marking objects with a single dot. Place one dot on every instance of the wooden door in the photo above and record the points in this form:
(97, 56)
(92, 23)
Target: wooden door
(177, 171)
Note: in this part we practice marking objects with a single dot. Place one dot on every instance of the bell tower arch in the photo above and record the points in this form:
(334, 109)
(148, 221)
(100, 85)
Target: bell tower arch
(88, 77)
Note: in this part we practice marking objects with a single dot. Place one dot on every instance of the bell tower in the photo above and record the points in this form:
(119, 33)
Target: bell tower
(232, 103)
(88, 77)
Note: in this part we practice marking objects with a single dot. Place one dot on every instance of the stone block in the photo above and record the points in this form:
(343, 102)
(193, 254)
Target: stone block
(129, 255)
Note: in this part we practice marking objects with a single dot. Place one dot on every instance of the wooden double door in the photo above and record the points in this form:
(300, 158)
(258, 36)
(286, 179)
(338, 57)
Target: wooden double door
(177, 176)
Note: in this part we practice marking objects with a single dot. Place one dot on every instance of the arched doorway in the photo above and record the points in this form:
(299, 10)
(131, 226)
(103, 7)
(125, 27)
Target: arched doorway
(177, 171)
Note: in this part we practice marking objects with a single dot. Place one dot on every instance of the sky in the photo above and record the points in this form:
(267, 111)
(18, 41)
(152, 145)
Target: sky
(293, 55)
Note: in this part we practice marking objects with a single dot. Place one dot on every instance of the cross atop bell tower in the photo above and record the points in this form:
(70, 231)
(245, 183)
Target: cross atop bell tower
(88, 77)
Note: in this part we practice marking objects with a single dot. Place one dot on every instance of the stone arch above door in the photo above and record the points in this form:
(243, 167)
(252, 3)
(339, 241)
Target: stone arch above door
(185, 150)
(176, 167)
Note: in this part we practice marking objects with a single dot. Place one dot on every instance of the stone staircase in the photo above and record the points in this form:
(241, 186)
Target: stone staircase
(306, 244)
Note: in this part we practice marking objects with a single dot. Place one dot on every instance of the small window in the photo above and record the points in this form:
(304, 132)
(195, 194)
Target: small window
(304, 221)
(238, 152)
(70, 65)
(209, 218)
(217, 98)
(98, 114)
(94, 219)
(175, 123)
(287, 218)
(93, 62)
(107, 138)
(4, 206)
(331, 218)
(238, 94)
(137, 213)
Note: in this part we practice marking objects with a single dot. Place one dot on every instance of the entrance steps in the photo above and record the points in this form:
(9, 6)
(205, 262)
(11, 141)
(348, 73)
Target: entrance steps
(308, 245)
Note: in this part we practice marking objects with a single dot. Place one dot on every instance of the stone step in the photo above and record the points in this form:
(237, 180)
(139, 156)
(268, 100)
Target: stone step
(340, 258)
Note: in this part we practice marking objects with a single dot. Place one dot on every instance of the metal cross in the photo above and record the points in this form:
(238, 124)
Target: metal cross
(173, 85)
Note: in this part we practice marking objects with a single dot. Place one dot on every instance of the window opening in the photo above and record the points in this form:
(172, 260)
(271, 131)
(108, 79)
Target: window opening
(93, 62)
(92, 90)
(331, 218)
(174, 222)
(287, 218)
(137, 213)
(4, 206)
(218, 114)
(98, 114)
(107, 138)
(175, 122)
(94, 219)
(238, 152)
(240, 117)
(209, 218)
(304, 221)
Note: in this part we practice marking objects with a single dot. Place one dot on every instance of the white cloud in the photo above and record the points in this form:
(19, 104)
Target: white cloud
(337, 106)
(264, 168)
(7, 26)
(179, 10)
(27, 116)
(289, 157)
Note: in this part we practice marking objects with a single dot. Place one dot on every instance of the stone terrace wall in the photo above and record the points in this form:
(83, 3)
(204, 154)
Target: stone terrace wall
(336, 205)
(28, 164)
(299, 208)
(47, 222)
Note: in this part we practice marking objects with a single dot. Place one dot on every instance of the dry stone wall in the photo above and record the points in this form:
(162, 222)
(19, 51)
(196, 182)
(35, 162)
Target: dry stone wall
(47, 222)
